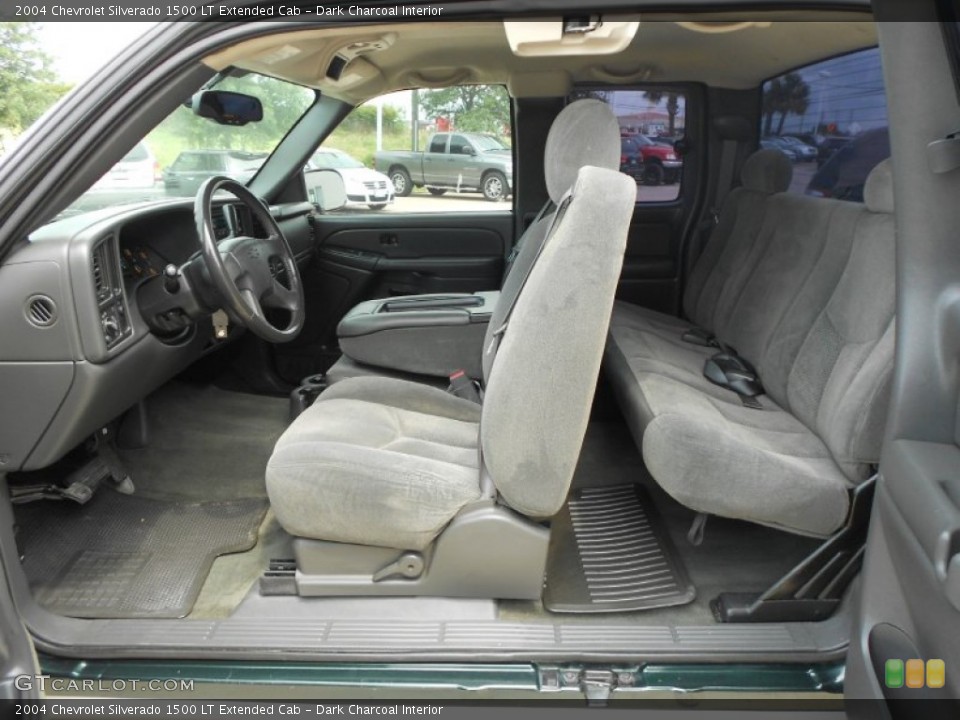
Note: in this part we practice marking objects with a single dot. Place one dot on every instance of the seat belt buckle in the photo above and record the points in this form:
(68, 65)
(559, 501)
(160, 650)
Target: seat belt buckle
(463, 387)
(699, 336)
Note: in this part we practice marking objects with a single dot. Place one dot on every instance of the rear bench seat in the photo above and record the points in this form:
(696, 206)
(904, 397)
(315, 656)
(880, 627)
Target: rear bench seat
(803, 288)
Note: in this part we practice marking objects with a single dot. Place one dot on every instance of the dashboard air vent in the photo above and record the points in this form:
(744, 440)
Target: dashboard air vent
(99, 283)
(41, 311)
(108, 285)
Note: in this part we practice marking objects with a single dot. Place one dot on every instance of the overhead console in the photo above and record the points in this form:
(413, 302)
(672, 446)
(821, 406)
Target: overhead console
(580, 35)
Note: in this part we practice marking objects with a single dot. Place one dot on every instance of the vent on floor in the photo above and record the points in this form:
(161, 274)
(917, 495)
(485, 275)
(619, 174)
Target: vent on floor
(41, 311)
(610, 553)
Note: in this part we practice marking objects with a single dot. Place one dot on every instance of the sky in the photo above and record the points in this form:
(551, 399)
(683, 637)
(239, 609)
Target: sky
(80, 48)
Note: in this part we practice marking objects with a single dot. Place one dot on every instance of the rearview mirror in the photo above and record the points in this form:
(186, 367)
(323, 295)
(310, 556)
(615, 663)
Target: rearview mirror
(227, 108)
(325, 189)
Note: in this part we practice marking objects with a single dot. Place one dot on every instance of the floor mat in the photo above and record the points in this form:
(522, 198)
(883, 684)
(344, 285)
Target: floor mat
(125, 556)
(626, 559)
(206, 443)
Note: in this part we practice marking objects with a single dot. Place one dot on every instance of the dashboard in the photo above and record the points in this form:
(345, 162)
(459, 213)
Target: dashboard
(149, 244)
(77, 352)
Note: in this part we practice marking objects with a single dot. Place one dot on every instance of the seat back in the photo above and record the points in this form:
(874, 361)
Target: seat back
(585, 132)
(816, 316)
(735, 243)
(541, 386)
(541, 383)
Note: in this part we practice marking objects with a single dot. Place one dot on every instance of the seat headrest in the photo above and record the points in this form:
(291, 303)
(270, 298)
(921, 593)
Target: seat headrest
(767, 171)
(586, 132)
(878, 189)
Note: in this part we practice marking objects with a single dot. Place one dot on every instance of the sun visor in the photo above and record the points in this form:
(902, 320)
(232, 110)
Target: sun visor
(593, 36)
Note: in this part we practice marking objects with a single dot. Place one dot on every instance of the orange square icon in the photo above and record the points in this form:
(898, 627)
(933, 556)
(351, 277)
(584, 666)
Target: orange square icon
(915, 673)
(936, 673)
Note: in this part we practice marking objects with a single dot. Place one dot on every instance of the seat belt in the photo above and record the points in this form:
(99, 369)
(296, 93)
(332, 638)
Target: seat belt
(705, 338)
(497, 336)
(519, 244)
(460, 384)
(728, 162)
(463, 387)
(730, 371)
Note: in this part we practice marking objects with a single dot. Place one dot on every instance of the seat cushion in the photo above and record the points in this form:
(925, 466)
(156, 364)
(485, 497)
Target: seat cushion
(714, 455)
(654, 341)
(376, 461)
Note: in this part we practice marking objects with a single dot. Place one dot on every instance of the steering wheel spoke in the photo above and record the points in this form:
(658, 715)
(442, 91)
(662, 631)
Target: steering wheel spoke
(278, 296)
(244, 269)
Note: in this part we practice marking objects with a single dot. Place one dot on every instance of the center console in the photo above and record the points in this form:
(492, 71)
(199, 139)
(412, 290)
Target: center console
(422, 334)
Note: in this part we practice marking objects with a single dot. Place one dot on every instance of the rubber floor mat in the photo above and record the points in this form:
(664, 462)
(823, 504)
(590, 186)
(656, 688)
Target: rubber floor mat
(609, 552)
(123, 556)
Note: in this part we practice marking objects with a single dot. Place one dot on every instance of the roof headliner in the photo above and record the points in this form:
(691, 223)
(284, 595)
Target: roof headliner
(419, 54)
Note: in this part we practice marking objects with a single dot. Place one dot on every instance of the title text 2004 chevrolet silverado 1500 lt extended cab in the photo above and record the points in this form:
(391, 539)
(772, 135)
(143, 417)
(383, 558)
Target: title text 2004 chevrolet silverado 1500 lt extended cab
(453, 161)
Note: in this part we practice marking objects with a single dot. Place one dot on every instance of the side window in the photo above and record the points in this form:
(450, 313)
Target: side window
(651, 121)
(830, 119)
(459, 145)
(395, 169)
(214, 163)
(187, 162)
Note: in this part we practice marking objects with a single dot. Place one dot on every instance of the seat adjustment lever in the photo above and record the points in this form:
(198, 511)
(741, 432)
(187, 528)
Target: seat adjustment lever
(408, 566)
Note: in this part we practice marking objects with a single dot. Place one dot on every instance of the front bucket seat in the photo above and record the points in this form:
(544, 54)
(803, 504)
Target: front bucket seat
(396, 488)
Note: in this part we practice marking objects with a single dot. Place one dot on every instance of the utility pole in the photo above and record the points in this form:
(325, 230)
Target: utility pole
(415, 120)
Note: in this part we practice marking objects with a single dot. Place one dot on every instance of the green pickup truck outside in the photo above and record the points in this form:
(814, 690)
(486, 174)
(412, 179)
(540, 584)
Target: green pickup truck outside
(463, 162)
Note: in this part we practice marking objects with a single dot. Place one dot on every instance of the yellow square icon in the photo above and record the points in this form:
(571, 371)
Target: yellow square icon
(936, 674)
(914, 673)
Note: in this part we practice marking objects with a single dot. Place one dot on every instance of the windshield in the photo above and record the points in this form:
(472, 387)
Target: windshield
(181, 152)
(328, 160)
(484, 143)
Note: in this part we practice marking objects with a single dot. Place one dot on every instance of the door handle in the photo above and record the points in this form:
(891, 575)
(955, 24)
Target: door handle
(389, 240)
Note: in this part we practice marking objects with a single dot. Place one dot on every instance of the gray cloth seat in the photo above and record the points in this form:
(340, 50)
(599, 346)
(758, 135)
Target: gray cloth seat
(383, 462)
(378, 448)
(424, 352)
(815, 316)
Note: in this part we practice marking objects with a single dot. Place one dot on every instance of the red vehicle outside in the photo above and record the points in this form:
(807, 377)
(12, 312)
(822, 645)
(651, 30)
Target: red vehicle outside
(649, 162)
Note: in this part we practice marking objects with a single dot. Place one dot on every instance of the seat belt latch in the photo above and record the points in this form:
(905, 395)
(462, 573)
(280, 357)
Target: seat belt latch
(697, 528)
(699, 336)
(463, 387)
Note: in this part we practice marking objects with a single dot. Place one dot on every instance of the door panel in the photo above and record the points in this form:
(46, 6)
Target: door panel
(909, 602)
(650, 275)
(361, 257)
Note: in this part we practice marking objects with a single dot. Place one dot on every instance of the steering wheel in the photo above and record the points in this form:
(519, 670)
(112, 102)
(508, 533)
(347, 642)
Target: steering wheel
(251, 273)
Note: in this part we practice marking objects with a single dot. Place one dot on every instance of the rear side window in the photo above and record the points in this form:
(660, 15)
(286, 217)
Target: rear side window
(438, 144)
(651, 121)
(830, 119)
